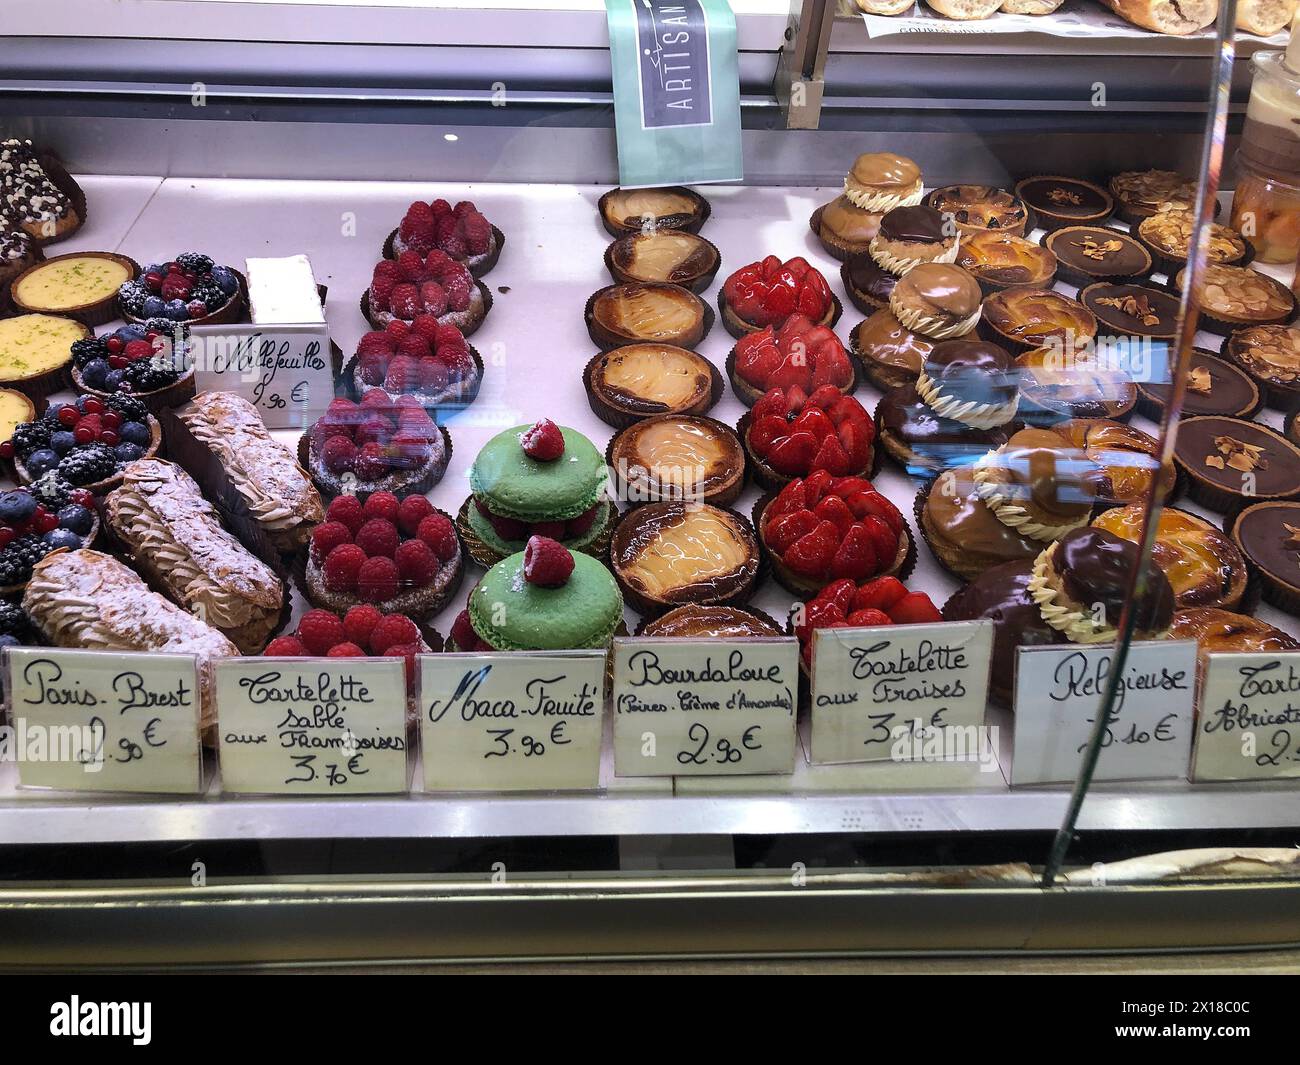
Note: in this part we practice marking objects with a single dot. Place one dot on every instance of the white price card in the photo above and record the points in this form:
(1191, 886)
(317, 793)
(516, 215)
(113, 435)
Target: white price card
(905, 693)
(1248, 727)
(285, 371)
(521, 721)
(705, 707)
(104, 721)
(1058, 694)
(312, 726)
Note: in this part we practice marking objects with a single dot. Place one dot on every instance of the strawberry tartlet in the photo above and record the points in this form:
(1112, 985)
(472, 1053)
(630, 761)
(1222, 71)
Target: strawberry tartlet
(461, 232)
(790, 434)
(847, 604)
(412, 285)
(799, 353)
(768, 292)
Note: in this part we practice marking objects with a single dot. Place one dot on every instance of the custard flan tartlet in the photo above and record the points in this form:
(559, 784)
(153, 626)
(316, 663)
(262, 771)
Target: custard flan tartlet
(80, 285)
(677, 457)
(649, 312)
(672, 256)
(624, 211)
(640, 381)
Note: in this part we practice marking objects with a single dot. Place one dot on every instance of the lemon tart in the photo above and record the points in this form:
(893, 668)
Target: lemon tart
(36, 351)
(81, 285)
(652, 312)
(15, 410)
(644, 380)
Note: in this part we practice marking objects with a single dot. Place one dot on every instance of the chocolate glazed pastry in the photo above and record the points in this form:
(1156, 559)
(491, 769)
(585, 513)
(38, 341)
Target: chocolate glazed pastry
(1230, 464)
(924, 443)
(1269, 535)
(1064, 201)
(972, 382)
(1214, 386)
(910, 236)
(1091, 253)
(866, 284)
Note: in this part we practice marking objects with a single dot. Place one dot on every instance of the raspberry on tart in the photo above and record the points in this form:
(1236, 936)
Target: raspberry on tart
(769, 292)
(404, 289)
(789, 434)
(850, 604)
(821, 528)
(430, 361)
(461, 232)
(799, 354)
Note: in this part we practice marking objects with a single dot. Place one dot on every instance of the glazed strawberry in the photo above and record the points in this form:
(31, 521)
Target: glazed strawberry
(768, 292)
(856, 557)
(868, 618)
(547, 562)
(782, 532)
(818, 613)
(878, 602)
(780, 417)
(793, 454)
(883, 538)
(811, 554)
(799, 354)
(914, 608)
(880, 594)
(833, 509)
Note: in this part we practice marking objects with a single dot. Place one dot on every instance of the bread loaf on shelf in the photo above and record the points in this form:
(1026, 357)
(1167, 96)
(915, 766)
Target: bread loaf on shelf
(1166, 16)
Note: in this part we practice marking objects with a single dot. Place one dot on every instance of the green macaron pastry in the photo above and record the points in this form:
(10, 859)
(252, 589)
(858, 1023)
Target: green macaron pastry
(539, 479)
(545, 598)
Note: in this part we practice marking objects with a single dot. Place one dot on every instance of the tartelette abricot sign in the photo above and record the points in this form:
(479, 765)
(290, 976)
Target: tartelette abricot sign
(1249, 722)
(524, 721)
(705, 707)
(285, 371)
(102, 721)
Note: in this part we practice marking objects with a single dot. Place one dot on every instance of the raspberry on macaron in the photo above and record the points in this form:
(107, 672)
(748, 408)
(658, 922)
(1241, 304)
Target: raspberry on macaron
(547, 562)
(543, 442)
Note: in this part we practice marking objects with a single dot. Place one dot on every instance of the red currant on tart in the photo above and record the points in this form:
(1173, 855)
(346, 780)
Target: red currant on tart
(822, 528)
(798, 354)
(846, 604)
(769, 292)
(789, 434)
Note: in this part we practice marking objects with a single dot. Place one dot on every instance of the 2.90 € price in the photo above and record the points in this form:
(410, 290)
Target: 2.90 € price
(706, 747)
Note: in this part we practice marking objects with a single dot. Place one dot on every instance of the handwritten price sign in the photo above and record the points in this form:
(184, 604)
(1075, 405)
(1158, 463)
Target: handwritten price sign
(1249, 724)
(98, 721)
(1148, 730)
(284, 371)
(704, 707)
(515, 722)
(299, 726)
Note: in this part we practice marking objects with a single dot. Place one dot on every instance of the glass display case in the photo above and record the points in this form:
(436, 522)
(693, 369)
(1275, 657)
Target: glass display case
(819, 481)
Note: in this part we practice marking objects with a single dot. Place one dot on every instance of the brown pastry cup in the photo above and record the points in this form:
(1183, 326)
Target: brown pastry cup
(488, 556)
(1281, 594)
(1071, 274)
(418, 486)
(100, 488)
(739, 328)
(177, 394)
(752, 611)
(696, 285)
(96, 312)
(233, 310)
(66, 184)
(1273, 394)
(749, 395)
(772, 481)
(464, 396)
(606, 340)
(98, 531)
(650, 607)
(805, 587)
(1290, 427)
(1214, 497)
(621, 419)
(1151, 408)
(692, 224)
(720, 497)
(835, 248)
(477, 269)
(1041, 216)
(467, 332)
(884, 377)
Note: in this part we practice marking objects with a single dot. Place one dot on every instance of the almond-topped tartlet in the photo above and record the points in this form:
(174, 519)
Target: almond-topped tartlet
(799, 355)
(668, 255)
(1167, 234)
(1141, 193)
(653, 312)
(644, 380)
(770, 292)
(1132, 310)
(1270, 354)
(1024, 318)
(1085, 254)
(1006, 260)
(624, 211)
(677, 457)
(1237, 296)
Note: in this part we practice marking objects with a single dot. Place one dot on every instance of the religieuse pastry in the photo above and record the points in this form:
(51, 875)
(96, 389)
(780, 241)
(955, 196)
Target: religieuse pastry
(798, 355)
(868, 285)
(1065, 201)
(1230, 464)
(402, 290)
(672, 256)
(789, 435)
(80, 285)
(650, 312)
(1270, 354)
(849, 604)
(191, 288)
(889, 353)
(963, 404)
(1214, 386)
(1085, 254)
(263, 473)
(1004, 260)
(172, 535)
(639, 381)
(770, 292)
(1205, 568)
(543, 598)
(1141, 193)
(909, 236)
(938, 300)
(1237, 296)
(41, 206)
(977, 209)
(1268, 534)
(536, 480)
(676, 456)
(462, 233)
(36, 351)
(877, 182)
(624, 211)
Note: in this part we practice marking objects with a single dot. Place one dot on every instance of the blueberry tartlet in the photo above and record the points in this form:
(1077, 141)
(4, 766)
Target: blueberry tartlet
(39, 519)
(149, 361)
(191, 288)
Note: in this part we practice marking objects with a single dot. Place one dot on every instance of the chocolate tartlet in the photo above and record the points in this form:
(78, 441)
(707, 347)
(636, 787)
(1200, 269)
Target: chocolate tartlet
(1054, 386)
(1126, 459)
(693, 622)
(1004, 260)
(1085, 254)
(1141, 193)
(1091, 568)
(1214, 386)
(1204, 567)
(626, 211)
(1223, 632)
(843, 228)
(1132, 310)
(978, 209)
(1167, 235)
(1230, 464)
(866, 284)
(643, 380)
(922, 442)
(671, 256)
(890, 354)
(939, 300)
(677, 457)
(1237, 296)
(881, 181)
(652, 313)
(1268, 534)
(910, 236)
(1270, 354)
(1001, 594)
(668, 554)
(1063, 201)
(1021, 319)
(970, 381)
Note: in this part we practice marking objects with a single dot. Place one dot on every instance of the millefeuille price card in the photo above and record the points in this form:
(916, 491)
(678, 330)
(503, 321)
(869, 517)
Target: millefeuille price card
(704, 707)
(312, 726)
(1249, 724)
(1058, 694)
(103, 721)
(285, 371)
(895, 693)
(523, 721)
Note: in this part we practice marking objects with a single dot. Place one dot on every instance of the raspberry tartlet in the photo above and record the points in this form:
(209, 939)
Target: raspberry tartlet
(536, 480)
(769, 292)
(798, 355)
(382, 444)
(789, 434)
(462, 233)
(431, 362)
(435, 284)
(402, 557)
(848, 604)
(821, 528)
